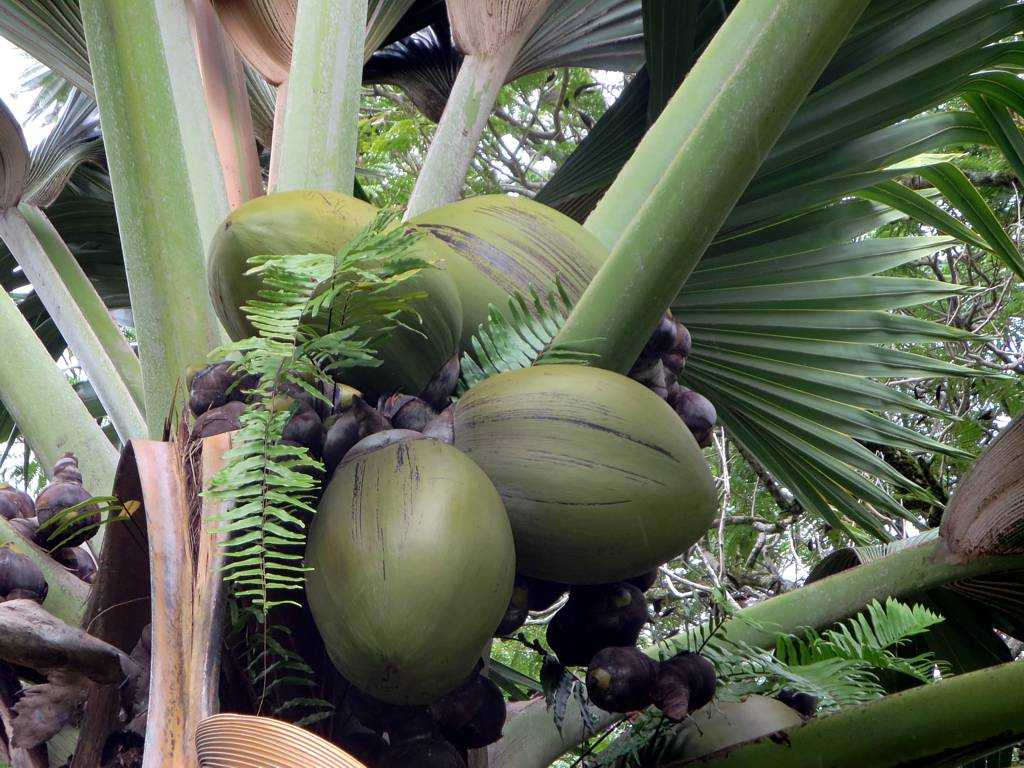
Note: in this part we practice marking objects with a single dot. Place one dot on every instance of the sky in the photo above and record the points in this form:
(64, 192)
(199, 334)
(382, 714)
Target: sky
(13, 62)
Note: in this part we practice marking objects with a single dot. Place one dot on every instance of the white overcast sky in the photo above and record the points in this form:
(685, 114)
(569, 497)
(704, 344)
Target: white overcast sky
(13, 62)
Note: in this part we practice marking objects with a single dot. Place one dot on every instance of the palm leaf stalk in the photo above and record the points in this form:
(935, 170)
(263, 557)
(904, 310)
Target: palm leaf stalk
(45, 406)
(149, 89)
(227, 97)
(490, 41)
(718, 128)
(316, 145)
(949, 723)
(80, 315)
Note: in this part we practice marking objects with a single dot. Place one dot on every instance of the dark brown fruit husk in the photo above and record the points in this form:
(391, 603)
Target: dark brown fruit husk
(541, 594)
(684, 684)
(365, 746)
(650, 372)
(78, 561)
(211, 387)
(518, 609)
(8, 509)
(423, 753)
(399, 723)
(621, 679)
(439, 389)
(804, 703)
(664, 337)
(644, 581)
(595, 618)
(674, 363)
(217, 421)
(20, 577)
(22, 501)
(472, 715)
(442, 426)
(684, 341)
(26, 527)
(66, 468)
(305, 430)
(407, 412)
(359, 421)
(697, 413)
(64, 492)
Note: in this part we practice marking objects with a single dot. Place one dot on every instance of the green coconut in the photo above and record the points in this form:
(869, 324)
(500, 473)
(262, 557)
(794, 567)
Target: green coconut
(413, 564)
(303, 222)
(495, 245)
(721, 725)
(600, 478)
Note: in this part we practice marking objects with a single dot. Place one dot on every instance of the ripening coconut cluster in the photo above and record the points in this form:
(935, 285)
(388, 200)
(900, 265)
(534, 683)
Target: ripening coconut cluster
(444, 522)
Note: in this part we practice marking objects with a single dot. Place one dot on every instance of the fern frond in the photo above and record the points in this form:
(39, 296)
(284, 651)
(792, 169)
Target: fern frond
(520, 337)
(307, 316)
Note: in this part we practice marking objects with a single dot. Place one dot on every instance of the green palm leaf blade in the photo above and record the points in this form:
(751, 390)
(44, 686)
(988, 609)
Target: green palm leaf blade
(51, 32)
(74, 140)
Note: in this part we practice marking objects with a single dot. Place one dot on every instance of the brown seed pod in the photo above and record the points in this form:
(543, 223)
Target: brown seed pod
(594, 618)
(78, 561)
(543, 594)
(697, 413)
(471, 716)
(621, 679)
(364, 745)
(22, 501)
(406, 412)
(518, 610)
(423, 753)
(439, 389)
(217, 421)
(684, 684)
(358, 422)
(305, 430)
(650, 372)
(20, 578)
(664, 336)
(212, 387)
(26, 527)
(64, 492)
(804, 703)
(644, 581)
(9, 509)
(442, 426)
(684, 341)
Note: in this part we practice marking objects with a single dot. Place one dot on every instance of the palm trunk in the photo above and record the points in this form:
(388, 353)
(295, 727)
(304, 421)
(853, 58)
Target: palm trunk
(168, 186)
(673, 195)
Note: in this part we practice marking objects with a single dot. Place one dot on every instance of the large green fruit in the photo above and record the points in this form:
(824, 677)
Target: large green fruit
(413, 567)
(601, 479)
(303, 222)
(495, 245)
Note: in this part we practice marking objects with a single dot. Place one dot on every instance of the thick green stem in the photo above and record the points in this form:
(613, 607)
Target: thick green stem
(948, 723)
(79, 314)
(321, 115)
(469, 106)
(673, 195)
(45, 406)
(168, 186)
(531, 741)
(451, 151)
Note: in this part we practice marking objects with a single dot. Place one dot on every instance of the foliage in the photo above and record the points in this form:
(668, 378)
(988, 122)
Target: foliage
(520, 340)
(273, 485)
